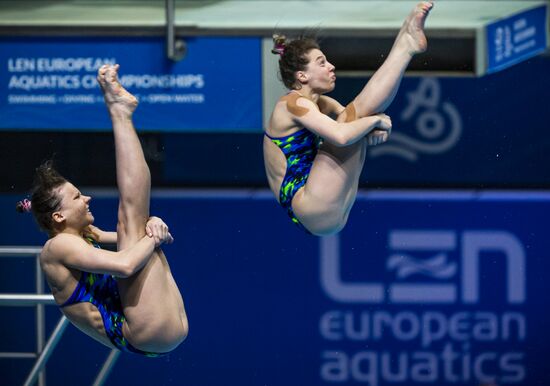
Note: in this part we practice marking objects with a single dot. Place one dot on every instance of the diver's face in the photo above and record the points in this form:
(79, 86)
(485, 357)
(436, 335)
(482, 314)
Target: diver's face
(74, 211)
(319, 72)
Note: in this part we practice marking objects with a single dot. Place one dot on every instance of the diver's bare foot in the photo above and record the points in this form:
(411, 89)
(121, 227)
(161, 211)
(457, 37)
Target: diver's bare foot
(412, 34)
(116, 97)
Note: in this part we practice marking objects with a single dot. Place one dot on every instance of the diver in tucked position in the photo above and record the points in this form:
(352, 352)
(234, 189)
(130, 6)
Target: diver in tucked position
(126, 299)
(316, 181)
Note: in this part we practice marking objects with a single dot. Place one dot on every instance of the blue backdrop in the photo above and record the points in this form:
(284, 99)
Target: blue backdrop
(49, 83)
(424, 287)
(464, 131)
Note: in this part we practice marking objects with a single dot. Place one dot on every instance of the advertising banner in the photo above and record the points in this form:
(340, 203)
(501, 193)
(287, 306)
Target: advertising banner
(440, 288)
(50, 83)
(516, 38)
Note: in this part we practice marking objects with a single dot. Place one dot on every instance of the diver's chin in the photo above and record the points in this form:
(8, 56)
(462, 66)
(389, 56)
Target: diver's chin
(331, 87)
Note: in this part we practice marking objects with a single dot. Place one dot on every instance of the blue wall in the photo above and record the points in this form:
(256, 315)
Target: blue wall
(449, 132)
(488, 132)
(269, 305)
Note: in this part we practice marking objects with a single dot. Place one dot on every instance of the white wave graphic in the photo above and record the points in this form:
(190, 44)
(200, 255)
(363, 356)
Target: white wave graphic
(431, 124)
(436, 267)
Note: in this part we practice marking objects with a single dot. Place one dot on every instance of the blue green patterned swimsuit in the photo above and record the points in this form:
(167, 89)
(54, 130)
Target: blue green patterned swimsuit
(300, 150)
(102, 291)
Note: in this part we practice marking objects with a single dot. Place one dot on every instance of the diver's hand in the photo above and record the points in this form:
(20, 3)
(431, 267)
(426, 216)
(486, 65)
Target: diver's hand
(158, 230)
(382, 132)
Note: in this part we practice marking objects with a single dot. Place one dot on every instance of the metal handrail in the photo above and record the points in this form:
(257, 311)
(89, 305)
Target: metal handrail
(15, 251)
(43, 352)
(48, 349)
(107, 367)
(25, 299)
(19, 299)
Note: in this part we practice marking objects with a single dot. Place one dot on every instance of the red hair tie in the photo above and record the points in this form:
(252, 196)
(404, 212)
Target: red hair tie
(26, 205)
(279, 49)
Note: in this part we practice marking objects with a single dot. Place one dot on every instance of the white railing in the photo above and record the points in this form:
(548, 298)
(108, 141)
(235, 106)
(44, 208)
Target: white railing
(39, 300)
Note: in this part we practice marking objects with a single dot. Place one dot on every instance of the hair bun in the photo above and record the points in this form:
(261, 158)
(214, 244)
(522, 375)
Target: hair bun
(279, 44)
(23, 206)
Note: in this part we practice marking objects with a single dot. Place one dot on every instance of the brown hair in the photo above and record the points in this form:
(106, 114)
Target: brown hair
(44, 199)
(292, 56)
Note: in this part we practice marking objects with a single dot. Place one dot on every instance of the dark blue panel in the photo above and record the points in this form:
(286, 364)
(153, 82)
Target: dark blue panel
(464, 131)
(50, 83)
(270, 305)
(223, 159)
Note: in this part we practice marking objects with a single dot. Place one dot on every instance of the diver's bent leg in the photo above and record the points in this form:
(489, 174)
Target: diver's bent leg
(381, 89)
(155, 315)
(322, 205)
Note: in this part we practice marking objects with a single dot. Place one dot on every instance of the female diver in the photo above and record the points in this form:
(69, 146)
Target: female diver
(126, 299)
(316, 180)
